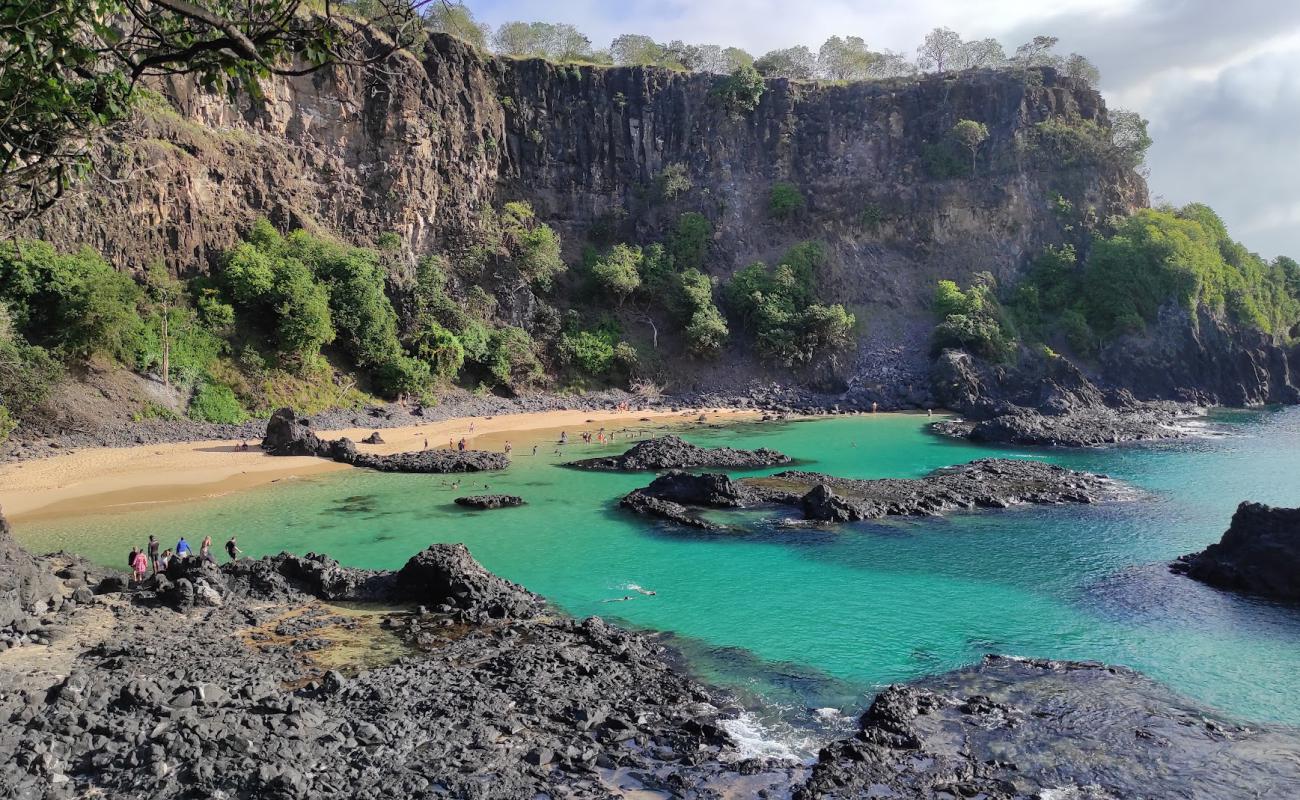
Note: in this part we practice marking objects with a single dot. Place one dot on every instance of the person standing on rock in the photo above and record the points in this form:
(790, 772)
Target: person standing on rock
(232, 549)
(182, 548)
(165, 560)
(130, 558)
(205, 550)
(139, 564)
(153, 553)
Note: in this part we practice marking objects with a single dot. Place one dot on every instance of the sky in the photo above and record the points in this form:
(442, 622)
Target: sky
(1218, 79)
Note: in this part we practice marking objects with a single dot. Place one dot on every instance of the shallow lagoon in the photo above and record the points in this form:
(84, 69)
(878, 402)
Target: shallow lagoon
(810, 617)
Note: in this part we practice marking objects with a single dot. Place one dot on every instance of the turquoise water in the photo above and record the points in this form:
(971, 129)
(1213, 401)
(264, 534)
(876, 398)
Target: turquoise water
(826, 616)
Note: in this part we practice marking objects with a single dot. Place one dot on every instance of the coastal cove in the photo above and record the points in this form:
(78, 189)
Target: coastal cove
(807, 617)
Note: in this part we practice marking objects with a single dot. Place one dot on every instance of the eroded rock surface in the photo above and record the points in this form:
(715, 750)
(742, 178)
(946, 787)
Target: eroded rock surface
(1259, 554)
(986, 483)
(288, 435)
(673, 452)
(1001, 730)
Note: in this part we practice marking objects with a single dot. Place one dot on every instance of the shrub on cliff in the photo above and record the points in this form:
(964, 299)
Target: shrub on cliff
(618, 271)
(972, 320)
(784, 201)
(532, 246)
(741, 91)
(689, 240)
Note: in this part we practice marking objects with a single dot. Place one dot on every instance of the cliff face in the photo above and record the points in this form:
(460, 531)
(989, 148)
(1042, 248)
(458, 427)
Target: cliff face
(421, 145)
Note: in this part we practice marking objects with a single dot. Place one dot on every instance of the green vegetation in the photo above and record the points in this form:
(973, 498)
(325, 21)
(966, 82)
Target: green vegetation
(1074, 141)
(214, 402)
(776, 306)
(970, 134)
(674, 181)
(740, 91)
(689, 241)
(972, 320)
(1156, 259)
(784, 201)
(618, 272)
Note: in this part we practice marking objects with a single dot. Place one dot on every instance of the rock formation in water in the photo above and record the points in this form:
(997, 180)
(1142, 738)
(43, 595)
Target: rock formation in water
(1044, 401)
(1259, 554)
(673, 452)
(996, 730)
(288, 435)
(986, 483)
(484, 502)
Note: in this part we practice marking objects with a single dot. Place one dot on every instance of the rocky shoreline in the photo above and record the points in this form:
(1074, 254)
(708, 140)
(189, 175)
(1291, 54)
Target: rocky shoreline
(451, 682)
(986, 483)
(1259, 554)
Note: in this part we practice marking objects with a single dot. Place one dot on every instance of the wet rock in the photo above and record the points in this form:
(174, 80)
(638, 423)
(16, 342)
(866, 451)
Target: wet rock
(982, 484)
(434, 461)
(1259, 554)
(286, 575)
(490, 501)
(672, 452)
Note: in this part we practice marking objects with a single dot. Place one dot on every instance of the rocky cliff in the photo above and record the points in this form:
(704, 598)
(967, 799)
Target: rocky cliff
(422, 144)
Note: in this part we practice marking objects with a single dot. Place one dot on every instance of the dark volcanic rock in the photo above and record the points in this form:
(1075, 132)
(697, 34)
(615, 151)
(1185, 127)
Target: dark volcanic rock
(489, 501)
(1259, 554)
(25, 582)
(672, 452)
(283, 576)
(1044, 401)
(997, 731)
(434, 461)
(447, 575)
(987, 483)
(373, 438)
(287, 435)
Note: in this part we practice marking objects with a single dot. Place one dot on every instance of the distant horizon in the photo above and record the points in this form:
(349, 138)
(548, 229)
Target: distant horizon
(1218, 83)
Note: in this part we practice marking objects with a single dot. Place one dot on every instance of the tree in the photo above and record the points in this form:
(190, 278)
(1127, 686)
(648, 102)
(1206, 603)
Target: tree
(71, 68)
(457, 20)
(784, 200)
(892, 65)
(689, 241)
(980, 53)
(632, 49)
(516, 39)
(797, 63)
(970, 134)
(734, 58)
(939, 51)
(618, 272)
(846, 59)
(1081, 69)
(1128, 132)
(165, 292)
(1037, 52)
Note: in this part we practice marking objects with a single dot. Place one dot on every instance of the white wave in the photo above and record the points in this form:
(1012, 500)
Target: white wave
(755, 740)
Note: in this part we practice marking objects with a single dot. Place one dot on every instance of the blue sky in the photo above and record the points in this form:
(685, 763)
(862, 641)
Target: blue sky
(1219, 80)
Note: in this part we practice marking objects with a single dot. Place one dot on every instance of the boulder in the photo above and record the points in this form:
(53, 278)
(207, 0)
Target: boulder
(447, 575)
(286, 576)
(1259, 554)
(484, 502)
(373, 438)
(287, 435)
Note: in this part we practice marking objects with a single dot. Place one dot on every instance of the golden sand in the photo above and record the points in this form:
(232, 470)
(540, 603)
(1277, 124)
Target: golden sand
(109, 479)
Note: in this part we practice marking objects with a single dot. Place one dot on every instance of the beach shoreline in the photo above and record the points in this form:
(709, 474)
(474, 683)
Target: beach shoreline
(123, 479)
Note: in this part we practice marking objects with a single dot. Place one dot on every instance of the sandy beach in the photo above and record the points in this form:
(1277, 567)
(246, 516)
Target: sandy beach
(108, 480)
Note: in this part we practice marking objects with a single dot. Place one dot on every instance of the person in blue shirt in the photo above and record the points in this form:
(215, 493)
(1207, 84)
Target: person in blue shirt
(182, 548)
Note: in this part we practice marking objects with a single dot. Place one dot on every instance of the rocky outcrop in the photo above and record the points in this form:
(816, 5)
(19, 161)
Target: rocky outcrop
(285, 576)
(1044, 400)
(673, 452)
(26, 583)
(446, 577)
(484, 502)
(288, 435)
(995, 731)
(983, 484)
(1259, 554)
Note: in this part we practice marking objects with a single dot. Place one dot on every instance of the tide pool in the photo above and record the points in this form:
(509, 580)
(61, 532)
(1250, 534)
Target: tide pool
(825, 616)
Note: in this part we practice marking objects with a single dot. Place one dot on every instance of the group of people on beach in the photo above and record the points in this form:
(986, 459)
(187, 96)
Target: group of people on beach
(141, 560)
